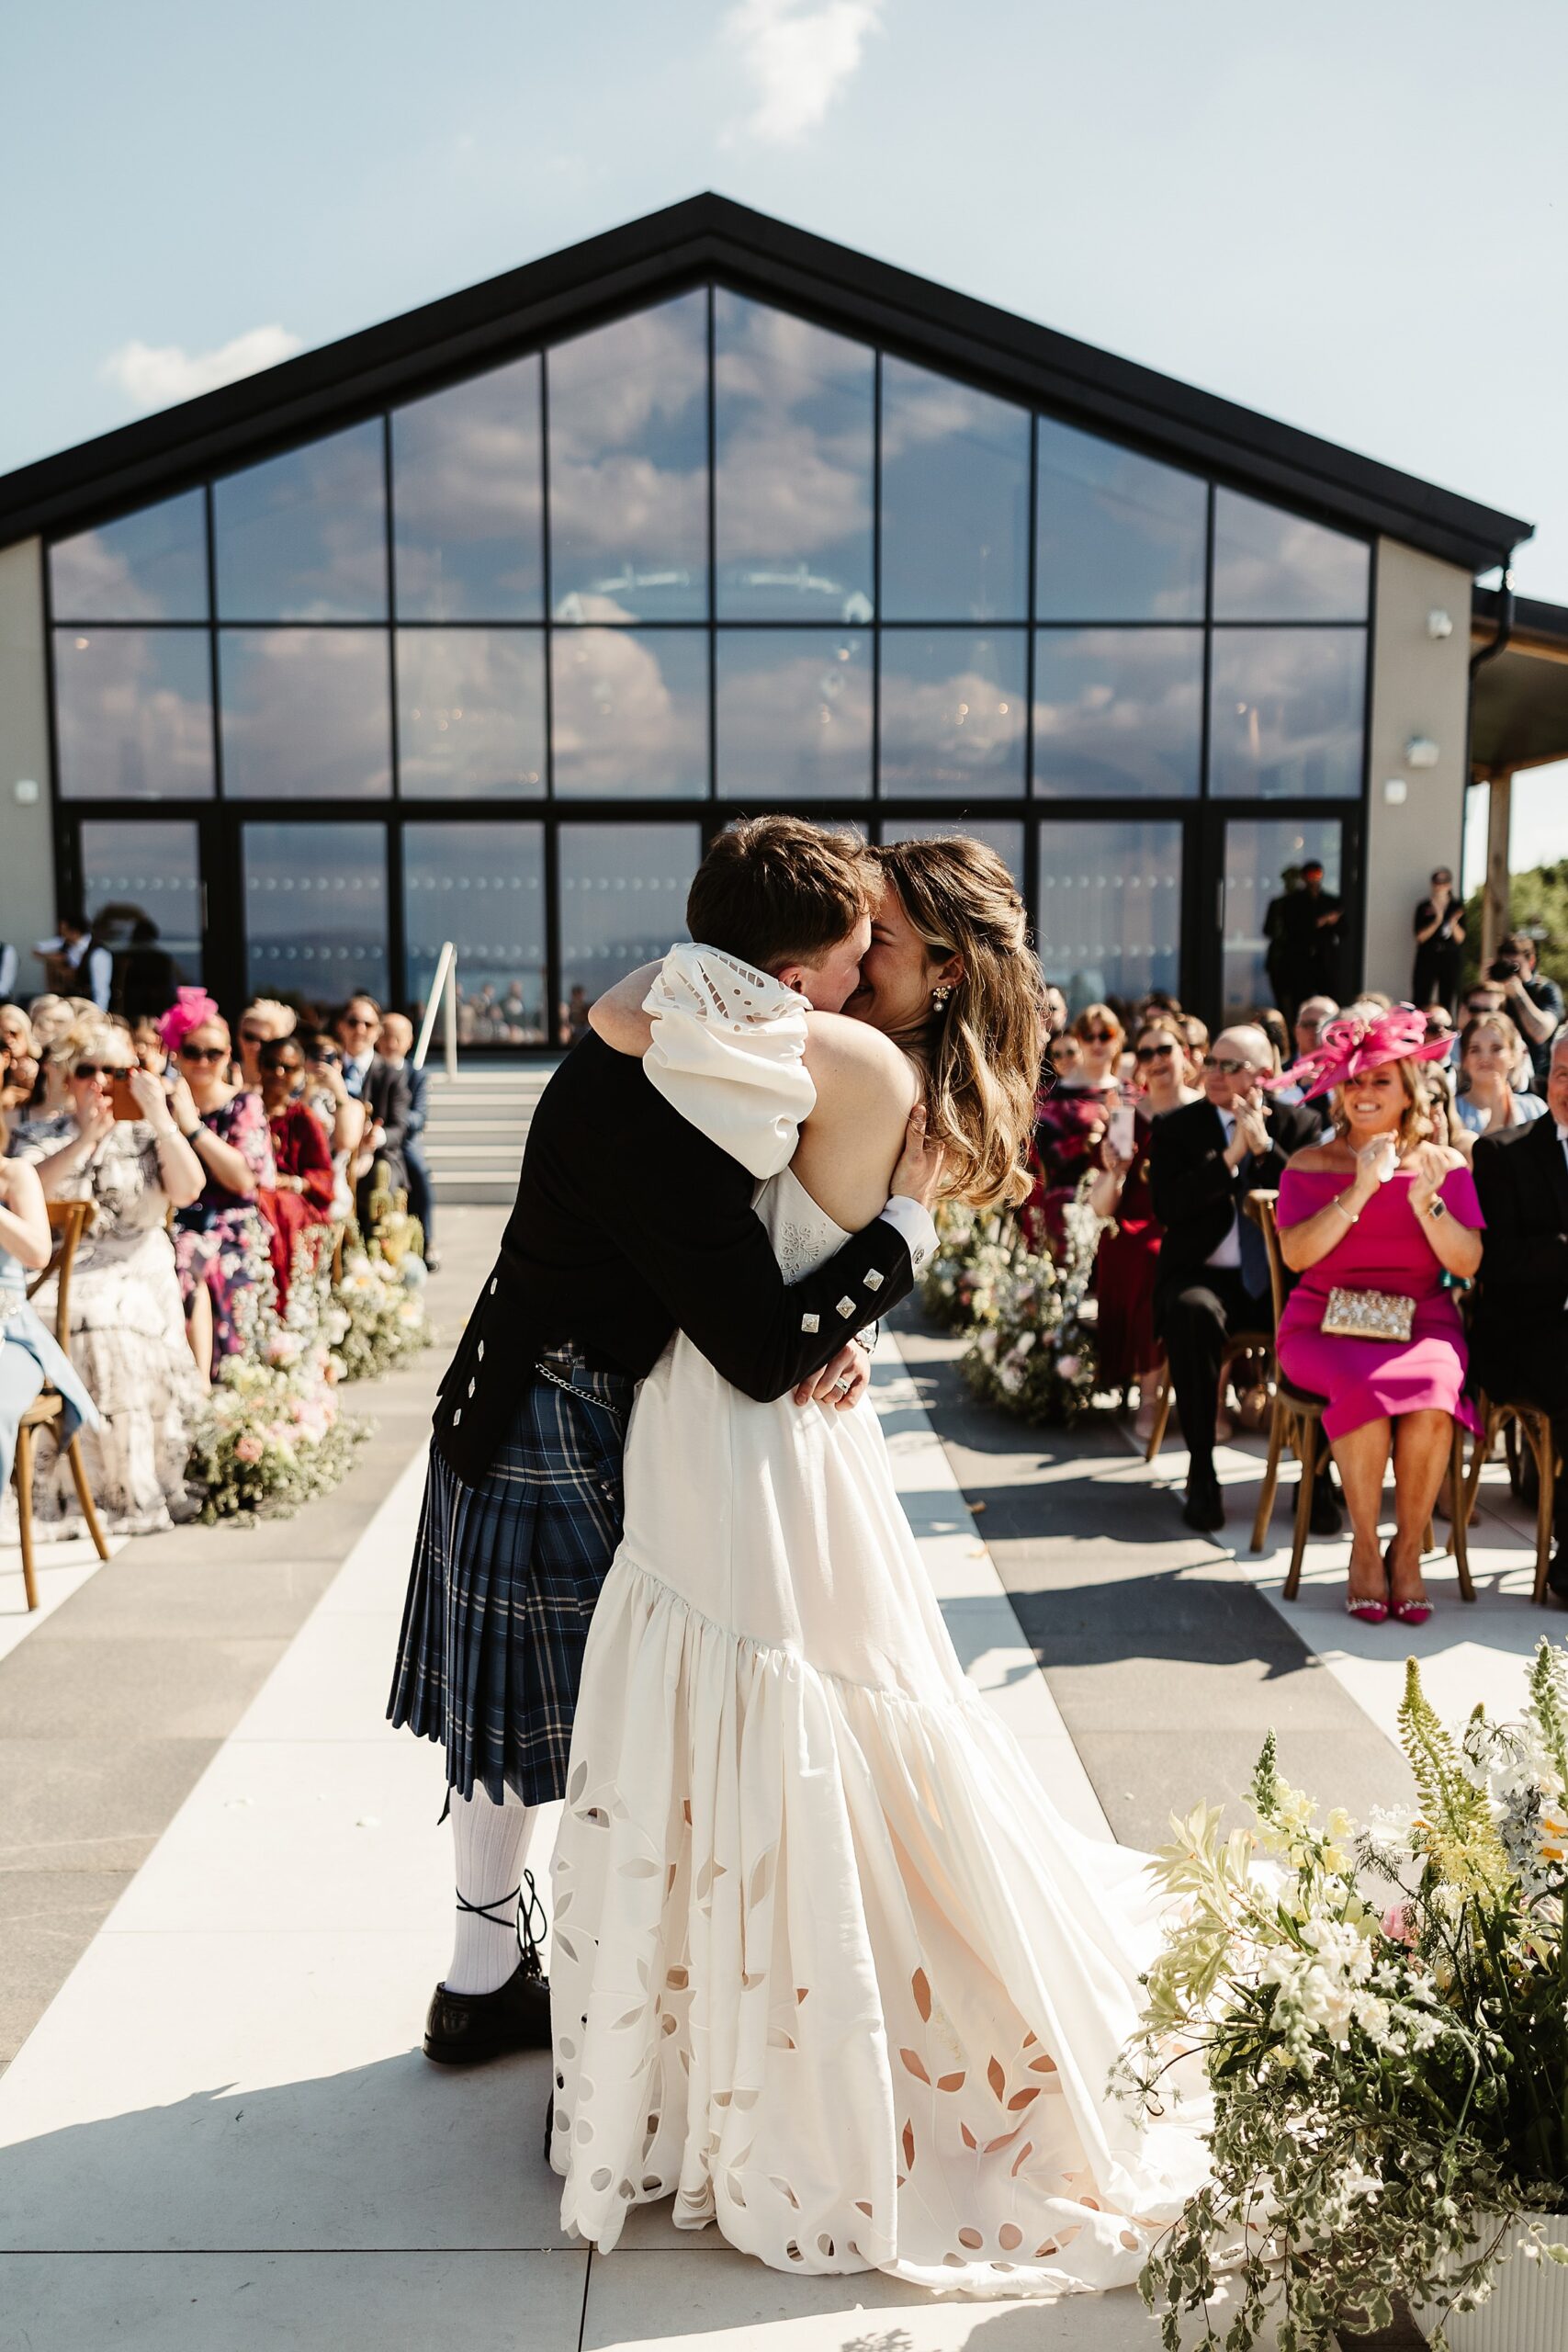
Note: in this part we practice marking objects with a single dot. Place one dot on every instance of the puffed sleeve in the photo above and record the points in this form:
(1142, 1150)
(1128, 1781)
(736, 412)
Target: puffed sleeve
(1460, 1198)
(727, 1055)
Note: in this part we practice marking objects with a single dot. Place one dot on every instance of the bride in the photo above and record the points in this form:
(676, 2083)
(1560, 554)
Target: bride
(829, 1967)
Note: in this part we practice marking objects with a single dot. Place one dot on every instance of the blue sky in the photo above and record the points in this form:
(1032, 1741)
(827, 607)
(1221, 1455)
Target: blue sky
(1354, 217)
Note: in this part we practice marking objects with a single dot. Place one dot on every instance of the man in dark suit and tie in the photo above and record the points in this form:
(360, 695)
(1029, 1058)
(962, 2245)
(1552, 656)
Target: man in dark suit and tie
(383, 1088)
(1213, 1263)
(1518, 1341)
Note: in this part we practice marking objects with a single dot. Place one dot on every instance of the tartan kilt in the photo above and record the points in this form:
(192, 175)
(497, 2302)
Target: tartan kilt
(504, 1580)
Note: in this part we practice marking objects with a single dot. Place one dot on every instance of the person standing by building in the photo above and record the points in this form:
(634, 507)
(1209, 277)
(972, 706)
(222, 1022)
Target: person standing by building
(1439, 945)
(1302, 930)
(76, 963)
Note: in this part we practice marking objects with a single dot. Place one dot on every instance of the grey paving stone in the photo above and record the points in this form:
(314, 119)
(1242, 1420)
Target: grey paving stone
(92, 1803)
(190, 1686)
(46, 1918)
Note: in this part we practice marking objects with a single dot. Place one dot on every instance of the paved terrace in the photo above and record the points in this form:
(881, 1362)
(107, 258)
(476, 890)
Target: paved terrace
(225, 1896)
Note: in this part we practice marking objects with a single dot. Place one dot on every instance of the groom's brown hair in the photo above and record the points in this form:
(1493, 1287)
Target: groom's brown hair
(773, 891)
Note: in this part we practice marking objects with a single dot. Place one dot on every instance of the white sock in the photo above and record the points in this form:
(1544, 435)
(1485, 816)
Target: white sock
(489, 1844)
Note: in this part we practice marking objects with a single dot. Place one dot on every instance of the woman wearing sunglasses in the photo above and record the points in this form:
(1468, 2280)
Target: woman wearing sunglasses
(221, 1247)
(301, 1194)
(1129, 1250)
(128, 1340)
(1071, 1119)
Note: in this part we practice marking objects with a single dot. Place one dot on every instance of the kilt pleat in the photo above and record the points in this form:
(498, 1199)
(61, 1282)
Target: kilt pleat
(503, 1584)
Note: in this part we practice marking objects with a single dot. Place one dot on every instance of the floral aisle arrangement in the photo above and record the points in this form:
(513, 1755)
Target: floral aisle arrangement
(1034, 1353)
(375, 1313)
(975, 1250)
(1390, 2078)
(271, 1435)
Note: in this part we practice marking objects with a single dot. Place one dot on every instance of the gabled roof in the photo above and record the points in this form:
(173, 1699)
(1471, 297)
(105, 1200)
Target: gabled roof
(709, 236)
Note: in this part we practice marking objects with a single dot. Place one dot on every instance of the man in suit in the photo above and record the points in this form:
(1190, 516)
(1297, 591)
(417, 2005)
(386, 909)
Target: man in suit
(396, 1043)
(628, 1224)
(1518, 1342)
(383, 1088)
(1213, 1277)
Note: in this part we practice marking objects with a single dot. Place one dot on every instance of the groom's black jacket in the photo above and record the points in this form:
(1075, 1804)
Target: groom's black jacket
(627, 1224)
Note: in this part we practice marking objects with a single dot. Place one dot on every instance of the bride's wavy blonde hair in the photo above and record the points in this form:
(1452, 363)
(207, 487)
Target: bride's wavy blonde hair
(982, 1048)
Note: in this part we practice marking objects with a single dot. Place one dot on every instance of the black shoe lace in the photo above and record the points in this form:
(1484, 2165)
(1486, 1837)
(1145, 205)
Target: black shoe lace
(516, 1913)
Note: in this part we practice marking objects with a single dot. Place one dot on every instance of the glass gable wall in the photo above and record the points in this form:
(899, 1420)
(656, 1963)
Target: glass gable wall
(491, 665)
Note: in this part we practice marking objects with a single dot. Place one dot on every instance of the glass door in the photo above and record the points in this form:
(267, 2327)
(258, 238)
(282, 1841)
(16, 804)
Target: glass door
(1285, 934)
(315, 912)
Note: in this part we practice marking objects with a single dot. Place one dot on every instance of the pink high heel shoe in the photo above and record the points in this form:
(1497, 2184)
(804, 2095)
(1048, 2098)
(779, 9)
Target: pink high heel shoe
(1367, 1613)
(1406, 1613)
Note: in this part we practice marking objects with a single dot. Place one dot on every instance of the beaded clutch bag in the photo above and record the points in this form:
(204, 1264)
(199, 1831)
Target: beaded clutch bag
(1368, 1315)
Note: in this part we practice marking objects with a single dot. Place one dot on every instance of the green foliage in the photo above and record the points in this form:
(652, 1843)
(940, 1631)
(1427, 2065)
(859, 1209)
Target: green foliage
(1538, 899)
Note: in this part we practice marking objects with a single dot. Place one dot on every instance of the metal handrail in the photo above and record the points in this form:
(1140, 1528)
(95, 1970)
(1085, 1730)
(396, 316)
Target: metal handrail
(443, 992)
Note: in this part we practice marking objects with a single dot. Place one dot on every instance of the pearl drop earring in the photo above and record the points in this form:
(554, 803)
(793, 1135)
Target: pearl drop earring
(941, 995)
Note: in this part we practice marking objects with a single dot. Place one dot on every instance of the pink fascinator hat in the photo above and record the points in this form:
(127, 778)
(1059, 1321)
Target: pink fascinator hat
(190, 1008)
(1350, 1046)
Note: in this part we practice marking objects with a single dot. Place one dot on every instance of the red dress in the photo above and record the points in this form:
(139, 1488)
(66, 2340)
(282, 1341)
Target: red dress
(1125, 1270)
(301, 1147)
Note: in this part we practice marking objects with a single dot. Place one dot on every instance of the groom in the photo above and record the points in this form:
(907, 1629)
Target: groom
(628, 1224)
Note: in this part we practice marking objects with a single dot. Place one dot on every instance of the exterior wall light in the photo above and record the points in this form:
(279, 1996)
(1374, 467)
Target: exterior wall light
(1396, 792)
(1439, 623)
(1420, 751)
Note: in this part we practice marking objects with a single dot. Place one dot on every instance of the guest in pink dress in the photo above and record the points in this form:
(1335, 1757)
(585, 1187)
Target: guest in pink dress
(1381, 1206)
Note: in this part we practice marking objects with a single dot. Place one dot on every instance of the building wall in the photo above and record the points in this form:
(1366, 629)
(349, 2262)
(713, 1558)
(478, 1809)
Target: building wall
(1420, 687)
(26, 850)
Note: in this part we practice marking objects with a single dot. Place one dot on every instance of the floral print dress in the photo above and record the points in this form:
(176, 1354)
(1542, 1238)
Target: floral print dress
(221, 1239)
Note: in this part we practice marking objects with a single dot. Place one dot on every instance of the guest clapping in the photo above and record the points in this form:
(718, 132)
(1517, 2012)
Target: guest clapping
(301, 1194)
(127, 1339)
(1070, 1121)
(1371, 1221)
(1519, 1338)
(1214, 1268)
(221, 1247)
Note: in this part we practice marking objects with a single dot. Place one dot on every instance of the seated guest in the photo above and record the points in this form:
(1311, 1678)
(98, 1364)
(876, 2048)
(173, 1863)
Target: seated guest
(1129, 1249)
(1310, 1017)
(30, 1355)
(1064, 1056)
(128, 1337)
(1520, 1337)
(1070, 1122)
(1053, 1011)
(301, 1194)
(1492, 1058)
(263, 1019)
(383, 1091)
(1214, 1262)
(220, 1245)
(20, 1048)
(1379, 1214)
(397, 1045)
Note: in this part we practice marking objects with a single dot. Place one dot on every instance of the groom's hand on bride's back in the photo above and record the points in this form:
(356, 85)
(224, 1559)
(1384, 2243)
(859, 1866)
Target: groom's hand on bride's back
(918, 1176)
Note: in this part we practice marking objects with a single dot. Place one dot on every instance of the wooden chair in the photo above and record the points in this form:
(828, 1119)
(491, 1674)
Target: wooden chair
(1239, 1344)
(1521, 1426)
(68, 1220)
(1297, 1422)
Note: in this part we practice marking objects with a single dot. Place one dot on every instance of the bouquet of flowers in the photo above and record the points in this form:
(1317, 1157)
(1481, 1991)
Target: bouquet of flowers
(1034, 1353)
(975, 1248)
(374, 1314)
(1390, 2078)
(270, 1436)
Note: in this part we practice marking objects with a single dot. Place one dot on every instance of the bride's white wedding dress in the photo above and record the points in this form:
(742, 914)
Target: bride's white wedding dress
(829, 1967)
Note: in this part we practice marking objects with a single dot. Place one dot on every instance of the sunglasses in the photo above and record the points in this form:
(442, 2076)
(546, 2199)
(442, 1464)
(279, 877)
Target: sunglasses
(204, 1053)
(1153, 1053)
(102, 1069)
(278, 1061)
(1100, 1037)
(1223, 1062)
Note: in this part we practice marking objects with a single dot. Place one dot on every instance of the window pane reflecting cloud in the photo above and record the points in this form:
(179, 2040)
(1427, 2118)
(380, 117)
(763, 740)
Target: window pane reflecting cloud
(953, 713)
(316, 910)
(483, 887)
(1271, 566)
(999, 833)
(303, 537)
(954, 500)
(793, 714)
(622, 901)
(471, 713)
(144, 873)
(1286, 710)
(629, 468)
(1109, 907)
(1122, 538)
(133, 714)
(1118, 712)
(467, 500)
(149, 566)
(306, 714)
(631, 714)
(795, 412)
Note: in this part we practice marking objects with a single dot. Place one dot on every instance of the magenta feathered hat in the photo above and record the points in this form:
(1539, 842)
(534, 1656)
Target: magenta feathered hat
(190, 1008)
(1350, 1045)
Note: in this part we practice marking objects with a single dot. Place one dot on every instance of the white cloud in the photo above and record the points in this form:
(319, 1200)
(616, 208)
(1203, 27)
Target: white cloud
(157, 376)
(798, 55)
